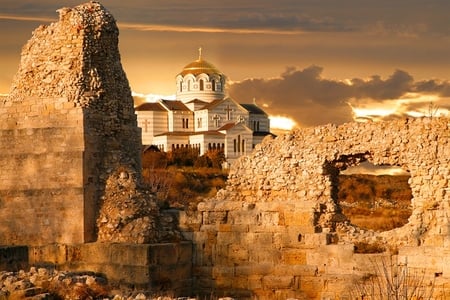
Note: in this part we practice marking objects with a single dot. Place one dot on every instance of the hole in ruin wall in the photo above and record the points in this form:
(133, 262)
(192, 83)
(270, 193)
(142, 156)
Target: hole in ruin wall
(376, 198)
(296, 175)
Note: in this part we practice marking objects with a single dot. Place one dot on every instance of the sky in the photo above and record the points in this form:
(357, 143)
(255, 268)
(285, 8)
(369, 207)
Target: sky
(306, 62)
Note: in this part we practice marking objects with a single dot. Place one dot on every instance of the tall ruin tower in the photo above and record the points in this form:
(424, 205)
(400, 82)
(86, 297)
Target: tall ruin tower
(67, 124)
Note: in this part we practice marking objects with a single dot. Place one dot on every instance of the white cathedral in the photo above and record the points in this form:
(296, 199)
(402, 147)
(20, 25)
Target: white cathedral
(202, 116)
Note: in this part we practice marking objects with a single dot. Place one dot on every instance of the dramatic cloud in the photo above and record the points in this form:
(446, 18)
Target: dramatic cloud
(309, 99)
(376, 88)
(352, 39)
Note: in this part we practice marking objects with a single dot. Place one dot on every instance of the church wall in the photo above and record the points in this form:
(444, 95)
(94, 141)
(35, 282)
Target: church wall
(207, 142)
(161, 142)
(235, 137)
(229, 112)
(198, 141)
(179, 121)
(201, 120)
(259, 123)
(145, 120)
(171, 141)
(171, 119)
(160, 122)
(152, 123)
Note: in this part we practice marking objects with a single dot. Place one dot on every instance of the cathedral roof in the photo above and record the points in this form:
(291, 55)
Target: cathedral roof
(212, 104)
(197, 101)
(174, 105)
(253, 109)
(150, 106)
(227, 126)
(198, 67)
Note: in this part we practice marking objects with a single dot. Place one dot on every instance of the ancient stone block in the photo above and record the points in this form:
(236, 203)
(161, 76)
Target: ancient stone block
(296, 218)
(277, 282)
(293, 257)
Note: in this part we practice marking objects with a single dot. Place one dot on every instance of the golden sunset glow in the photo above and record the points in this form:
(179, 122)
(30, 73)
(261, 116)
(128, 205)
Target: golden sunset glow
(368, 168)
(366, 112)
(411, 104)
(283, 123)
(305, 63)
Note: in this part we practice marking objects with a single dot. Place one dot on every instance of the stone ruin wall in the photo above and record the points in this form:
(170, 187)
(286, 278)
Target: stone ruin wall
(70, 145)
(276, 231)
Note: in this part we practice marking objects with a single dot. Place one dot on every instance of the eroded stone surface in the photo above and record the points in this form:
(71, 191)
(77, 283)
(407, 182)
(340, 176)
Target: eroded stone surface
(278, 215)
(67, 127)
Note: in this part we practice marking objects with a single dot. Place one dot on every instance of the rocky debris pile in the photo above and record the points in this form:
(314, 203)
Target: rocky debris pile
(43, 283)
(46, 283)
(129, 213)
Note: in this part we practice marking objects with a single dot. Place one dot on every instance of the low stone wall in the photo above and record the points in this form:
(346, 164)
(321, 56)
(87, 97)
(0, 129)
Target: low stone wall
(153, 267)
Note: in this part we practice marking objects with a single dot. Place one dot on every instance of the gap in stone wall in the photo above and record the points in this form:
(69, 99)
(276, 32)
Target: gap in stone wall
(375, 197)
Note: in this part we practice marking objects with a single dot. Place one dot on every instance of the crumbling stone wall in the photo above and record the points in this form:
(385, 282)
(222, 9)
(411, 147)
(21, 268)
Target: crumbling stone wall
(276, 231)
(69, 137)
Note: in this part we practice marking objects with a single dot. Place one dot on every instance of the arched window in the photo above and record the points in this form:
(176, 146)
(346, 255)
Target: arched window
(213, 85)
(201, 85)
(189, 85)
(181, 85)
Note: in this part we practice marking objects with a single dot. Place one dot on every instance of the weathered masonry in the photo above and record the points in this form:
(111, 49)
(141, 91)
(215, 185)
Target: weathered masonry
(66, 126)
(276, 231)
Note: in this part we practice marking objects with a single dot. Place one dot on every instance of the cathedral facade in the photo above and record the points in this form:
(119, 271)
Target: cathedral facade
(202, 116)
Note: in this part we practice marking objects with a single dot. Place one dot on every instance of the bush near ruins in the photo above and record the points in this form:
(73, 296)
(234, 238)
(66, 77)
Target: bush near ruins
(180, 178)
(390, 279)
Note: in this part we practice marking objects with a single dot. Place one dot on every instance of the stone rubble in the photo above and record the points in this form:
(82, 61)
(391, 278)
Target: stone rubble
(47, 284)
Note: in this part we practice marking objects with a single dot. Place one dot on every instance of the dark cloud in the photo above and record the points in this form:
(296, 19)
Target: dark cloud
(300, 94)
(378, 89)
(310, 99)
(408, 18)
(433, 86)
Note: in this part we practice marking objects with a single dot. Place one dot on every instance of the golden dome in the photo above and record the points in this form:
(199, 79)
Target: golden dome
(198, 67)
